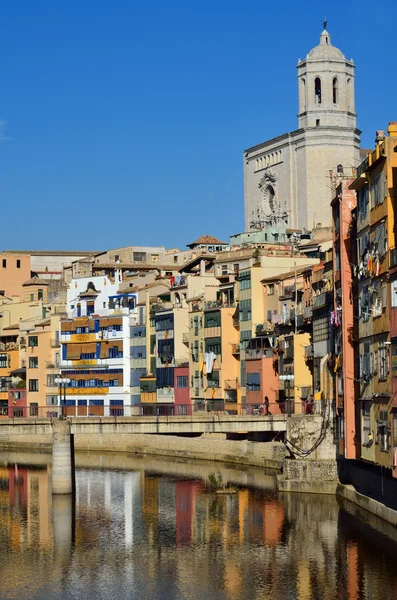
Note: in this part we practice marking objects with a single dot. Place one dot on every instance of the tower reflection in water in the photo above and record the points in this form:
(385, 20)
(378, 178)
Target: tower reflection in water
(164, 536)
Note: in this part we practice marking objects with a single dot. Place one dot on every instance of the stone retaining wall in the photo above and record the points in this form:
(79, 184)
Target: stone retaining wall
(263, 454)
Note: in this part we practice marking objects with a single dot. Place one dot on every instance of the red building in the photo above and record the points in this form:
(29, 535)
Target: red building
(183, 405)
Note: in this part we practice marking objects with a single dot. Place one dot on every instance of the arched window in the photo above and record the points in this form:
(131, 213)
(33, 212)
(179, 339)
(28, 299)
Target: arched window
(335, 90)
(303, 93)
(317, 90)
(339, 169)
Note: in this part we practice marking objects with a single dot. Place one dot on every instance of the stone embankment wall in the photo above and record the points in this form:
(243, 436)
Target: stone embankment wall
(312, 433)
(207, 447)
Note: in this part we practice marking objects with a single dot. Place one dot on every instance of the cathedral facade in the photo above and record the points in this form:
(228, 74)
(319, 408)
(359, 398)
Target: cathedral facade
(287, 178)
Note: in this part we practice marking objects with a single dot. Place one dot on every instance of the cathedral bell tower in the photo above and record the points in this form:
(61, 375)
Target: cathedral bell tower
(326, 87)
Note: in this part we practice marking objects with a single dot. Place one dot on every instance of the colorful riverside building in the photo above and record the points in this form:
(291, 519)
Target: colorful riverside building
(375, 300)
(96, 342)
(344, 229)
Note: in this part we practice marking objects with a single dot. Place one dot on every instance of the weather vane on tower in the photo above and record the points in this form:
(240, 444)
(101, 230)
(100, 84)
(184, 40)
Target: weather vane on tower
(325, 23)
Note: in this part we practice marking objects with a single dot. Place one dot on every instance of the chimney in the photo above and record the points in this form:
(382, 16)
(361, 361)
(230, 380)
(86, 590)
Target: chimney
(392, 129)
(380, 136)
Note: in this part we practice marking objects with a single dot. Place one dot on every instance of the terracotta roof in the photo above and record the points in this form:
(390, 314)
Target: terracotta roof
(89, 293)
(35, 281)
(287, 275)
(9, 327)
(207, 239)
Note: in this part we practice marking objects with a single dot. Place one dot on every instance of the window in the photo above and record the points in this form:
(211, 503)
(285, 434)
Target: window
(317, 90)
(245, 310)
(34, 409)
(164, 322)
(33, 385)
(96, 402)
(245, 280)
(270, 289)
(3, 408)
(116, 257)
(18, 263)
(213, 379)
(317, 122)
(383, 361)
(253, 382)
(182, 381)
(3, 361)
(224, 270)
(367, 437)
(155, 258)
(394, 356)
(175, 259)
(139, 256)
(363, 200)
(51, 400)
(383, 431)
(377, 190)
(51, 380)
(335, 90)
(33, 341)
(33, 362)
(40, 294)
(4, 263)
(213, 344)
(212, 319)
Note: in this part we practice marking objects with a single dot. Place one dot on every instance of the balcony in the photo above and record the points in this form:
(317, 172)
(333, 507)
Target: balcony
(230, 384)
(289, 353)
(309, 354)
(324, 299)
(55, 343)
(264, 329)
(51, 365)
(287, 292)
(185, 339)
(393, 257)
(235, 349)
(284, 318)
(308, 312)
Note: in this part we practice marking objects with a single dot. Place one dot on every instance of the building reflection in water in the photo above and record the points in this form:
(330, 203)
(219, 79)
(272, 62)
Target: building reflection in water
(163, 536)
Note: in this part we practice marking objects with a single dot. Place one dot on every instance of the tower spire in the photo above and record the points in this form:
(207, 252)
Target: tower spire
(325, 23)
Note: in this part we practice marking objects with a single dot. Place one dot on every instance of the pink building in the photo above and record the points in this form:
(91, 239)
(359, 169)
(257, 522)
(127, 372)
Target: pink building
(183, 405)
(343, 319)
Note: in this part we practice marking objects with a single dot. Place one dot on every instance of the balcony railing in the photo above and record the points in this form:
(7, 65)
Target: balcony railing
(235, 348)
(55, 343)
(230, 384)
(324, 299)
(308, 312)
(51, 365)
(284, 318)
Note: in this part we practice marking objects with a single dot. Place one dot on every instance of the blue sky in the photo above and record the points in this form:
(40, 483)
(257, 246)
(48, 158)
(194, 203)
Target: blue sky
(125, 122)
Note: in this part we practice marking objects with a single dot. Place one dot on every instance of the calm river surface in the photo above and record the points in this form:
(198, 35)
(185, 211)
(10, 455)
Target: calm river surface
(145, 528)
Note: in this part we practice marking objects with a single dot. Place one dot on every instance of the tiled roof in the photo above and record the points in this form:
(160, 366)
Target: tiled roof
(207, 239)
(35, 281)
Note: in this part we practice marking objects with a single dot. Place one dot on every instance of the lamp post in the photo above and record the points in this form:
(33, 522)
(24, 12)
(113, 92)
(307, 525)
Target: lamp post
(288, 380)
(63, 383)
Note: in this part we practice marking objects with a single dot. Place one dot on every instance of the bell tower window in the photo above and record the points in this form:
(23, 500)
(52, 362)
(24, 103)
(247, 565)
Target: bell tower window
(317, 90)
(335, 90)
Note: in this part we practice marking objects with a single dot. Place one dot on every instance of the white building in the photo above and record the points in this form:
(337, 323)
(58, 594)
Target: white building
(287, 178)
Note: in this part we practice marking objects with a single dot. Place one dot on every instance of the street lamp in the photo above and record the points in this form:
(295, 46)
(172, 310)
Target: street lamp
(288, 380)
(63, 382)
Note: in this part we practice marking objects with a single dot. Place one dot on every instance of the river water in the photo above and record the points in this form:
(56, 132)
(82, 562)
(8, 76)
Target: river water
(146, 528)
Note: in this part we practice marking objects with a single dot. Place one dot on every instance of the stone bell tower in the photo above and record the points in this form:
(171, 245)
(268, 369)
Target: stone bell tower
(326, 87)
